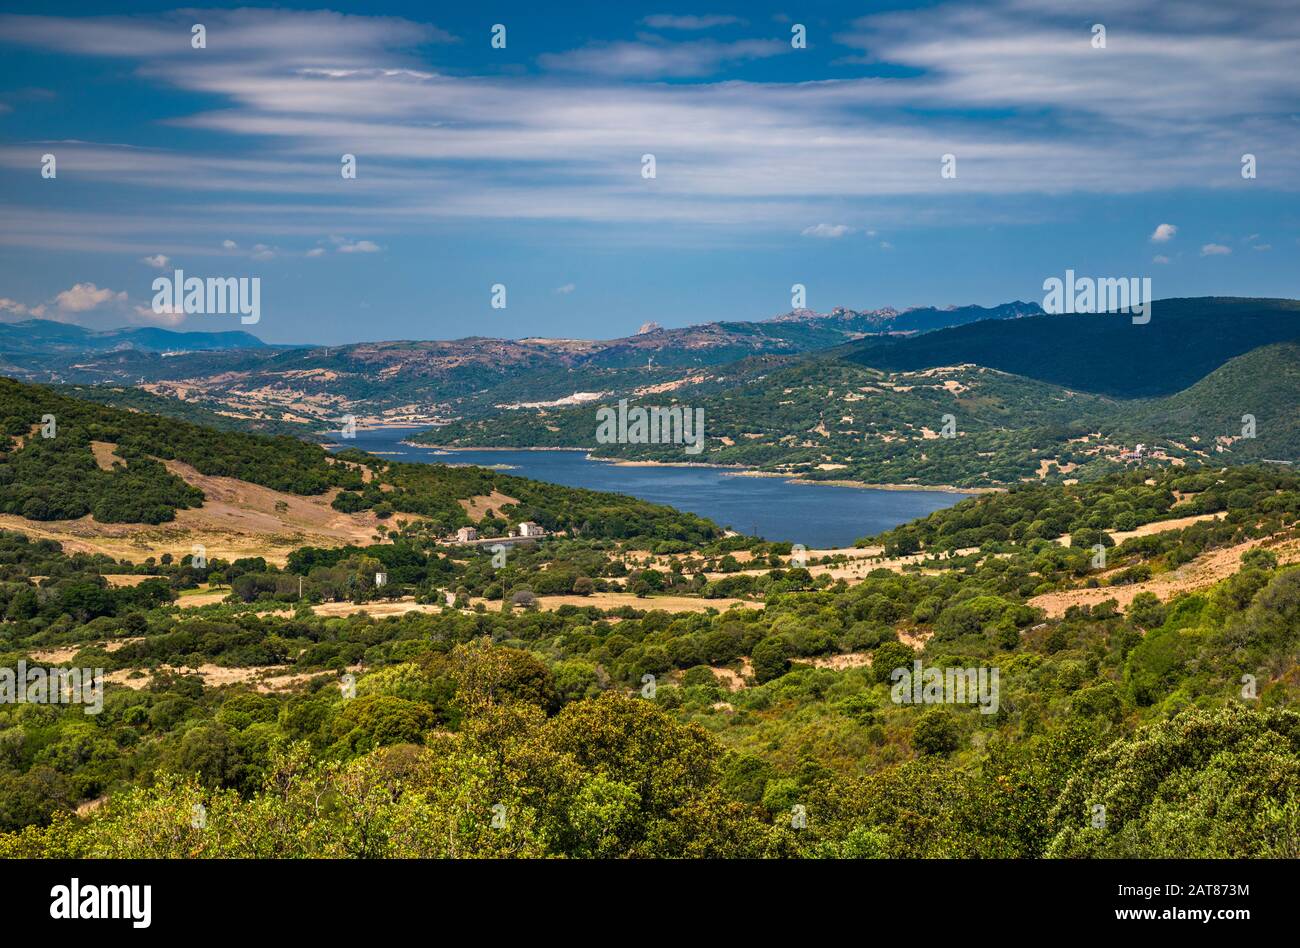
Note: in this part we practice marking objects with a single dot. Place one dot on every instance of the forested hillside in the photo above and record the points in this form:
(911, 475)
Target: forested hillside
(62, 477)
(591, 733)
(208, 414)
(1263, 384)
(830, 418)
(1184, 341)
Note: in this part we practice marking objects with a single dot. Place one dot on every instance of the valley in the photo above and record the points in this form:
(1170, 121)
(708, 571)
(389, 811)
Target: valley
(265, 607)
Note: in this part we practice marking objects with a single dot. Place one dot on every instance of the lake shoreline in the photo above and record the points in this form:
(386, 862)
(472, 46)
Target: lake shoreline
(737, 470)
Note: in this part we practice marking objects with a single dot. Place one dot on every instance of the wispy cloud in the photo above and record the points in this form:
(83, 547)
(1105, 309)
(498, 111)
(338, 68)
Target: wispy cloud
(1020, 84)
(359, 246)
(830, 231)
(667, 21)
(1215, 250)
(655, 58)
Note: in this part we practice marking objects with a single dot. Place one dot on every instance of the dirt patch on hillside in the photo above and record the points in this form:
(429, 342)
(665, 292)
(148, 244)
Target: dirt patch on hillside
(612, 600)
(1148, 529)
(1206, 570)
(476, 508)
(55, 656)
(237, 519)
(263, 678)
(376, 610)
(105, 455)
(841, 662)
(915, 640)
(239, 506)
(729, 679)
(128, 579)
(207, 597)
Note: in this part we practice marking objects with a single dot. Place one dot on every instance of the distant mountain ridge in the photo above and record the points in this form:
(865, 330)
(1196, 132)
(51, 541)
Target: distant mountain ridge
(420, 381)
(48, 336)
(1030, 398)
(702, 343)
(914, 319)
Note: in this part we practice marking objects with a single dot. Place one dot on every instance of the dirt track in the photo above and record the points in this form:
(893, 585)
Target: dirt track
(237, 519)
(1206, 570)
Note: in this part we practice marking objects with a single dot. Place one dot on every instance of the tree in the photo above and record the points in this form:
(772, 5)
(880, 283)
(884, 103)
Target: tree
(1146, 611)
(1220, 784)
(936, 732)
(887, 657)
(771, 658)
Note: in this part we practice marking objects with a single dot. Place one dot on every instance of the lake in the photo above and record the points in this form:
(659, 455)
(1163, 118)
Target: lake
(817, 515)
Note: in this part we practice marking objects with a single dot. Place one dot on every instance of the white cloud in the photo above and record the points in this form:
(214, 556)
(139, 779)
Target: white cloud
(1158, 115)
(263, 252)
(655, 58)
(79, 303)
(229, 244)
(1261, 247)
(566, 289)
(1159, 258)
(292, 36)
(158, 261)
(1215, 250)
(829, 231)
(86, 296)
(667, 21)
(146, 315)
(1163, 233)
(13, 308)
(360, 246)
(316, 252)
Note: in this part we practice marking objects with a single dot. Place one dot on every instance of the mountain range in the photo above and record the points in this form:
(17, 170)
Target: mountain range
(869, 396)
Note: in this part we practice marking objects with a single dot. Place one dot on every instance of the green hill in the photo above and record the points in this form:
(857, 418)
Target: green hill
(827, 418)
(1185, 340)
(60, 478)
(1264, 383)
(830, 419)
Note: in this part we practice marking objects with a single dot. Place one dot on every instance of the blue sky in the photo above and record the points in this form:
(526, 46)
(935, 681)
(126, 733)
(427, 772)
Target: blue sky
(522, 165)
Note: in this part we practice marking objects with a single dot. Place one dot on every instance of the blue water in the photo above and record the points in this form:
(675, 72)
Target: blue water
(816, 515)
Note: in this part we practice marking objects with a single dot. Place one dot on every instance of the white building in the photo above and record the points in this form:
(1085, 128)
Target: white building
(530, 529)
(466, 534)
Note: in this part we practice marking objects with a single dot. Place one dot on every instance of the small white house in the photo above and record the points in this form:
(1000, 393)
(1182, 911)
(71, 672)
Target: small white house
(530, 529)
(466, 534)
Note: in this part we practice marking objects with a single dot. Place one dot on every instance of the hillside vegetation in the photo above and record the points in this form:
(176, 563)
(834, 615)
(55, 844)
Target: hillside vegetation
(825, 417)
(747, 733)
(61, 478)
(1185, 340)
